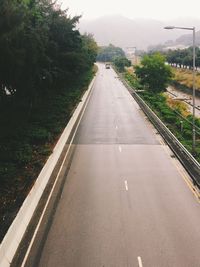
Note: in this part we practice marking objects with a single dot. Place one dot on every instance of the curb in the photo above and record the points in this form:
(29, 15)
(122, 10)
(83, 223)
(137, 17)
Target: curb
(16, 231)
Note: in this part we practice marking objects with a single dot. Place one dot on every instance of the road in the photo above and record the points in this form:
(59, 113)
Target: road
(125, 202)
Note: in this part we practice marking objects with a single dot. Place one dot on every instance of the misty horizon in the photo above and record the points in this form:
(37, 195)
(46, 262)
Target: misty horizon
(181, 19)
(124, 32)
(154, 9)
(143, 20)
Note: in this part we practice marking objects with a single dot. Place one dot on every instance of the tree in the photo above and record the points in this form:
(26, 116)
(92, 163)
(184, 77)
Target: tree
(109, 53)
(154, 73)
(12, 17)
(41, 51)
(90, 48)
(121, 63)
(183, 58)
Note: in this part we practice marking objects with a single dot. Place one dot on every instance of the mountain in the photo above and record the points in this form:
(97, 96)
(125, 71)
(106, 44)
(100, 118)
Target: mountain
(186, 39)
(125, 32)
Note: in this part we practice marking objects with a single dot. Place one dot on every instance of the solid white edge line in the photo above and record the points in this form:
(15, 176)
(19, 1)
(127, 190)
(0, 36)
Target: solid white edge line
(55, 182)
(15, 233)
(44, 210)
(140, 261)
(183, 173)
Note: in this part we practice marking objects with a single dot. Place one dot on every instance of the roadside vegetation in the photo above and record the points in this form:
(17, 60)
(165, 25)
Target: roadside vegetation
(173, 113)
(183, 58)
(115, 55)
(121, 63)
(183, 79)
(153, 73)
(45, 67)
(109, 53)
(182, 62)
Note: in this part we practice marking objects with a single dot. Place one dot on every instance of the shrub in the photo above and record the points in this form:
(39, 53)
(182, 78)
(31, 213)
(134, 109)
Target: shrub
(187, 133)
(7, 170)
(23, 154)
(39, 135)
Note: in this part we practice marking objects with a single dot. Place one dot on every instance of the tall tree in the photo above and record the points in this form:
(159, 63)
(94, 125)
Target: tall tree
(109, 53)
(121, 63)
(154, 73)
(41, 51)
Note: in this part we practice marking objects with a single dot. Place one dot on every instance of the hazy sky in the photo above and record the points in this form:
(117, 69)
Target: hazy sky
(156, 9)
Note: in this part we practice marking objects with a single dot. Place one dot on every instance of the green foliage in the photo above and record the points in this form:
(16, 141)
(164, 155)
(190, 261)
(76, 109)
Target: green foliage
(153, 73)
(39, 135)
(22, 134)
(40, 50)
(16, 152)
(180, 126)
(45, 65)
(121, 63)
(7, 170)
(113, 54)
(26, 140)
(183, 57)
(24, 154)
(172, 119)
(109, 53)
(90, 49)
(133, 81)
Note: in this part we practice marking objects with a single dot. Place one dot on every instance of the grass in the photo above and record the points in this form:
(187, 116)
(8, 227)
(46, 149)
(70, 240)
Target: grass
(26, 141)
(185, 78)
(178, 105)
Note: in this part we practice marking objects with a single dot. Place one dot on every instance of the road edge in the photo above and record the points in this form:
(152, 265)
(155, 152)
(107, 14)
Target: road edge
(184, 156)
(16, 231)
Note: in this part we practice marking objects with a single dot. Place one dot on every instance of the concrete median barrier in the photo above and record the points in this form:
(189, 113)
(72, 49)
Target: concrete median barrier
(15, 233)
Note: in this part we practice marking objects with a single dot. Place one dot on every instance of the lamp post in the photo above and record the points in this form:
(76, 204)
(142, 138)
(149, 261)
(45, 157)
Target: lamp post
(193, 86)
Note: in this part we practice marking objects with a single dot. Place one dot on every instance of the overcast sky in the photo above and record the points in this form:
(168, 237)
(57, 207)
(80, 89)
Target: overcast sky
(155, 9)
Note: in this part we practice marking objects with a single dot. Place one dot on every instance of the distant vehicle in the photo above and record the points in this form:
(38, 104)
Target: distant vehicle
(107, 65)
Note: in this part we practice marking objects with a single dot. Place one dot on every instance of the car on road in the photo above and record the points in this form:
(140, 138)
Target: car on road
(107, 65)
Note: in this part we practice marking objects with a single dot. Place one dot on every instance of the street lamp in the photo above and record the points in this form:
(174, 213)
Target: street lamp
(193, 87)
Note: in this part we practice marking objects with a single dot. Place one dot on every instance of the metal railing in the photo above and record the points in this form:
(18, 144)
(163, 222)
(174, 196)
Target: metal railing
(185, 157)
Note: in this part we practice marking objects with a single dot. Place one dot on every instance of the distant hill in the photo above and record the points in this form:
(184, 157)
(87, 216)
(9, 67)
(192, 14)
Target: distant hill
(125, 32)
(186, 39)
(142, 33)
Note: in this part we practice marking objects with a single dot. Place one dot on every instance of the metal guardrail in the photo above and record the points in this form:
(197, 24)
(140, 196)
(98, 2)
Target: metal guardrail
(184, 156)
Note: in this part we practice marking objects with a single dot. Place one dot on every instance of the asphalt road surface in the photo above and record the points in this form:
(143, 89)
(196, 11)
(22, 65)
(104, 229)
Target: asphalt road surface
(126, 201)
